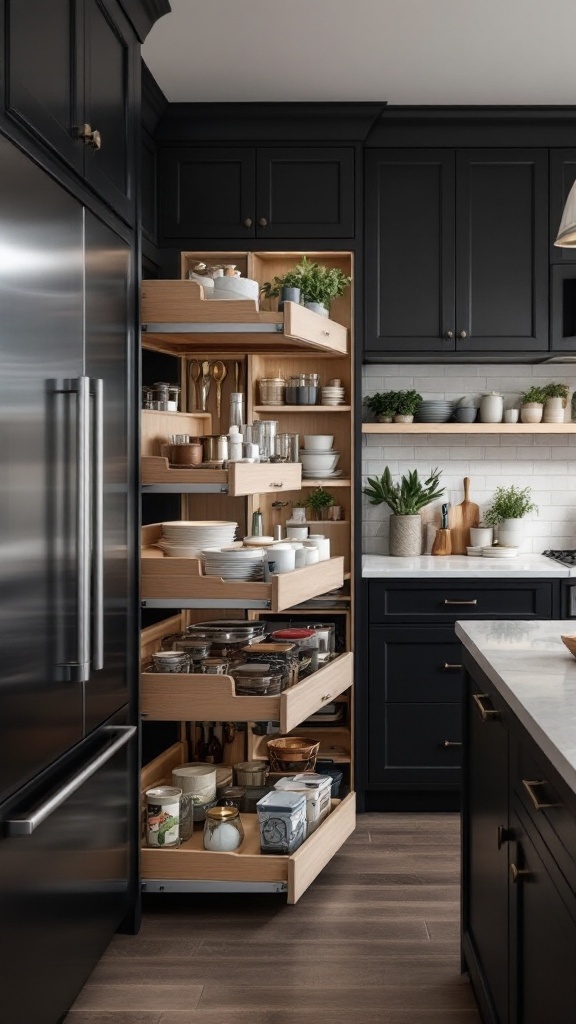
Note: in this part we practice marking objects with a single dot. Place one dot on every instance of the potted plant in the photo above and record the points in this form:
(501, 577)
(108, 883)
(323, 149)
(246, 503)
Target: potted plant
(406, 404)
(532, 405)
(319, 501)
(320, 285)
(405, 500)
(556, 399)
(508, 508)
(382, 405)
(298, 514)
(287, 287)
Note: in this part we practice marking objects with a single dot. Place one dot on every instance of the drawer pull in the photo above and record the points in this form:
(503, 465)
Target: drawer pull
(529, 787)
(451, 743)
(447, 666)
(516, 873)
(273, 484)
(485, 712)
(504, 836)
(325, 697)
(474, 602)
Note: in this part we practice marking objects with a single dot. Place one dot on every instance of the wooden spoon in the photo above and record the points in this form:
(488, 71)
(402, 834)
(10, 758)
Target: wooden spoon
(195, 374)
(219, 372)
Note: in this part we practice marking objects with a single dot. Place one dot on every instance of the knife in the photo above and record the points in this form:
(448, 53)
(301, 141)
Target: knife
(445, 508)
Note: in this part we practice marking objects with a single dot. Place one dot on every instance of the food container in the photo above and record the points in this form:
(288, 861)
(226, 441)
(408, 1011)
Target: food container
(335, 774)
(195, 649)
(165, 396)
(163, 816)
(303, 389)
(251, 773)
(171, 661)
(292, 754)
(282, 821)
(272, 390)
(282, 657)
(256, 681)
(214, 666)
(185, 454)
(197, 783)
(223, 831)
(232, 796)
(316, 789)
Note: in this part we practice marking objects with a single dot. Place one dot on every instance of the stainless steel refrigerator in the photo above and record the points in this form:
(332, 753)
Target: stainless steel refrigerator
(68, 742)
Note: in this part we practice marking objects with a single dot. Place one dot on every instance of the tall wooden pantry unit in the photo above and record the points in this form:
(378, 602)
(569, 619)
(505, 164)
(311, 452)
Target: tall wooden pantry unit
(265, 343)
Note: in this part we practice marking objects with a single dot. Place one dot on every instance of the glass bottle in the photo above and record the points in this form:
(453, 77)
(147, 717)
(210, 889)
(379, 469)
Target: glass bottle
(236, 409)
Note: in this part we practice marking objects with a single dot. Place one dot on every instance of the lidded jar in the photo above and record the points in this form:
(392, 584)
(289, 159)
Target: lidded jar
(491, 408)
(223, 831)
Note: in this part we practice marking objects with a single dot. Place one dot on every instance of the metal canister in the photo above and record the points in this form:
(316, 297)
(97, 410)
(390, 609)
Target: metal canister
(163, 816)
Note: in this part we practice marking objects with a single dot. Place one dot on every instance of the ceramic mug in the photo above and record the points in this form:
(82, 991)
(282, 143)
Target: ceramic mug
(280, 558)
(321, 543)
(481, 536)
(511, 415)
(312, 554)
(297, 532)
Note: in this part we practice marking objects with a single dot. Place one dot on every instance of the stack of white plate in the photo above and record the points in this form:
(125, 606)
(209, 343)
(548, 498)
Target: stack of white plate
(331, 395)
(186, 539)
(234, 563)
(434, 411)
(499, 552)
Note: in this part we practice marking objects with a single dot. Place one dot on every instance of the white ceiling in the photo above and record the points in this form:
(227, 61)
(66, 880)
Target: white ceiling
(402, 51)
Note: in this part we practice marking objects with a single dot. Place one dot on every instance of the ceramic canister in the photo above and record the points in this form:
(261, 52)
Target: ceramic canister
(320, 542)
(491, 408)
(163, 816)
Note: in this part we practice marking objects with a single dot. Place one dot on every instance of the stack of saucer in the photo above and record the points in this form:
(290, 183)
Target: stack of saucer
(332, 395)
(233, 563)
(434, 411)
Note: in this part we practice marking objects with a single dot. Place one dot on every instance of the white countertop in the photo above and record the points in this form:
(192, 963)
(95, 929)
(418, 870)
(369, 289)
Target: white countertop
(536, 675)
(436, 567)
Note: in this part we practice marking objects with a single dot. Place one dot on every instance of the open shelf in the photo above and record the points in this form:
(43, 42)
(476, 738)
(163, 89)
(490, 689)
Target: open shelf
(238, 479)
(469, 428)
(335, 742)
(190, 867)
(301, 408)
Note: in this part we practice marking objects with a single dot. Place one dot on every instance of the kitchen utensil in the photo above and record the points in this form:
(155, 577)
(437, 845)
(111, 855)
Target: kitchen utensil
(219, 373)
(236, 375)
(442, 543)
(195, 371)
(205, 383)
(462, 517)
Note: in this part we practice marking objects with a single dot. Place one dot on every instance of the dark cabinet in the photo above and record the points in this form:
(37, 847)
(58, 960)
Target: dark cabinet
(431, 601)
(248, 192)
(562, 177)
(71, 81)
(456, 258)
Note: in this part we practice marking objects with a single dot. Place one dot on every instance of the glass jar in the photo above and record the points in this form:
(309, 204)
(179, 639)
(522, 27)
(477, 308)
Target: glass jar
(173, 397)
(171, 661)
(271, 390)
(223, 831)
(236, 415)
(147, 398)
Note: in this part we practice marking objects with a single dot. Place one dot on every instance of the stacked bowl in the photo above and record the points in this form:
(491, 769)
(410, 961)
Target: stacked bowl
(318, 457)
(434, 411)
(234, 563)
(186, 539)
(332, 394)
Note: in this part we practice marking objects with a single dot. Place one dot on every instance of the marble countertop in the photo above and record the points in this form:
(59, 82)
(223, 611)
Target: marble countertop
(431, 567)
(536, 675)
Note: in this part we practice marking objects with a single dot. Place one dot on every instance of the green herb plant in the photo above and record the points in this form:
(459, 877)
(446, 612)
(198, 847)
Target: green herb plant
(320, 284)
(409, 496)
(534, 394)
(509, 503)
(383, 403)
(553, 390)
(407, 402)
(272, 289)
(319, 499)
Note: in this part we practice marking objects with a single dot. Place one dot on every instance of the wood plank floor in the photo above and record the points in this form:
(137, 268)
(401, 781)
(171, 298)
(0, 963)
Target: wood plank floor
(375, 940)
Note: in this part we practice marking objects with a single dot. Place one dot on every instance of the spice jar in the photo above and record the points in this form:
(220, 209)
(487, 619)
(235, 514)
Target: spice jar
(271, 390)
(223, 831)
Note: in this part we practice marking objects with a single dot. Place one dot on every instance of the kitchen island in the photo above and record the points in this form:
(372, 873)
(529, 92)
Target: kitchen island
(519, 820)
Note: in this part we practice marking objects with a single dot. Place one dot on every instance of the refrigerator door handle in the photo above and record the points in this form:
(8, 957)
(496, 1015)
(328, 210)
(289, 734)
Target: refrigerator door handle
(81, 668)
(26, 826)
(97, 390)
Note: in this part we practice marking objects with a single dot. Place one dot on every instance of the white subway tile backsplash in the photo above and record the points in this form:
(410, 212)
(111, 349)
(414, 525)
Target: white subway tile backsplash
(544, 462)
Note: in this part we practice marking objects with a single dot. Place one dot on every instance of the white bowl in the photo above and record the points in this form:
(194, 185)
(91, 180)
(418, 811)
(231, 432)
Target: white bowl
(239, 287)
(319, 460)
(318, 442)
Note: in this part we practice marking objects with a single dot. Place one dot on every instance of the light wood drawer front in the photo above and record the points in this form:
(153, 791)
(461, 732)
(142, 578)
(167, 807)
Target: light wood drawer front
(240, 479)
(302, 700)
(304, 325)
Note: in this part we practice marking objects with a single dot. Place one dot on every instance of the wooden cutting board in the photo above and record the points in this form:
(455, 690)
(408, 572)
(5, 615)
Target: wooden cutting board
(462, 517)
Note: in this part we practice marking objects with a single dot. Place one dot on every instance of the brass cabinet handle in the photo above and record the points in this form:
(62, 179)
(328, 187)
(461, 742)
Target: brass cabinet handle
(485, 712)
(516, 873)
(248, 222)
(276, 484)
(447, 666)
(449, 335)
(451, 743)
(325, 697)
(504, 835)
(91, 138)
(463, 334)
(448, 601)
(528, 786)
(263, 223)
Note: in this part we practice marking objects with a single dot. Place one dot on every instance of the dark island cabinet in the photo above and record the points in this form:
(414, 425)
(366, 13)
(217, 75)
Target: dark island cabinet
(456, 252)
(71, 81)
(250, 192)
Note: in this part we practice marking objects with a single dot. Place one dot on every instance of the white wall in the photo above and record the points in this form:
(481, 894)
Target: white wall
(544, 462)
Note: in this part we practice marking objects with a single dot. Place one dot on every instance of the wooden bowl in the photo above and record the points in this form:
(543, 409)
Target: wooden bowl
(569, 641)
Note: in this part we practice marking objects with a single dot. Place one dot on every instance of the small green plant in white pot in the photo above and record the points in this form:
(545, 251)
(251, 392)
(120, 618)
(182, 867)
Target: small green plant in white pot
(319, 501)
(407, 403)
(320, 285)
(382, 405)
(405, 500)
(555, 404)
(509, 507)
(532, 405)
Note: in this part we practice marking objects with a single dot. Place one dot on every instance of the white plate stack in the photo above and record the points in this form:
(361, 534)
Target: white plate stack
(332, 395)
(186, 539)
(234, 563)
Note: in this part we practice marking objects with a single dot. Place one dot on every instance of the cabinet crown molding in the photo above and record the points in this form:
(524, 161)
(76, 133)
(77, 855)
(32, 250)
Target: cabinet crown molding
(143, 14)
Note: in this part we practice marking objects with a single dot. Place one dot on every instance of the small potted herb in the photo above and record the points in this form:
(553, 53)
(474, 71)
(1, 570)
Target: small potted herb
(556, 399)
(405, 500)
(532, 405)
(287, 287)
(320, 285)
(319, 501)
(382, 405)
(509, 506)
(406, 404)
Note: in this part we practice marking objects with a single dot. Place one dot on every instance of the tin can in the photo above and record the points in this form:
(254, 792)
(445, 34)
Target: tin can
(163, 816)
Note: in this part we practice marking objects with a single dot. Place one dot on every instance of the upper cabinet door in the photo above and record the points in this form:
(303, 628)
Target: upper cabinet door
(207, 193)
(410, 232)
(502, 251)
(562, 177)
(44, 65)
(110, 104)
(305, 193)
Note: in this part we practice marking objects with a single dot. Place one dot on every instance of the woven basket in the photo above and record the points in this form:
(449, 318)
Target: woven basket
(292, 753)
(405, 536)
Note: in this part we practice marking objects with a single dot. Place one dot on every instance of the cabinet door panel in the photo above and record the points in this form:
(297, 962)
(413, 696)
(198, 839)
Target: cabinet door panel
(562, 177)
(501, 255)
(44, 70)
(407, 745)
(305, 193)
(207, 193)
(410, 241)
(407, 667)
(405, 602)
(110, 104)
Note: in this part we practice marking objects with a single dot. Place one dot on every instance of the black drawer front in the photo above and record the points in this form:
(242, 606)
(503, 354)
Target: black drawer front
(415, 743)
(415, 665)
(459, 600)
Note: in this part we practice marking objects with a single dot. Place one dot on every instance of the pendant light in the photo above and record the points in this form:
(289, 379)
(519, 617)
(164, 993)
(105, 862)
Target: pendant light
(567, 231)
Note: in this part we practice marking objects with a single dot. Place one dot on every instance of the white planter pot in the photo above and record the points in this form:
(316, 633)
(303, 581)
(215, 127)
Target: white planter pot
(481, 536)
(316, 307)
(402, 418)
(384, 419)
(531, 412)
(405, 536)
(511, 532)
(553, 410)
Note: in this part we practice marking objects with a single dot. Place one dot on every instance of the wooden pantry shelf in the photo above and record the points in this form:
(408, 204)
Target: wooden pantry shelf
(469, 428)
(302, 408)
(174, 697)
(335, 742)
(237, 480)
